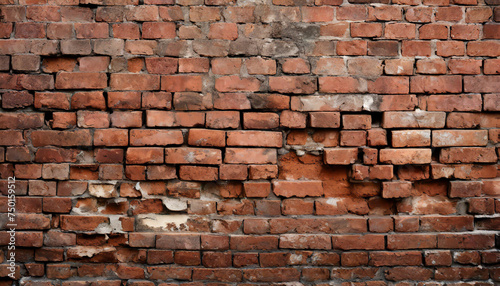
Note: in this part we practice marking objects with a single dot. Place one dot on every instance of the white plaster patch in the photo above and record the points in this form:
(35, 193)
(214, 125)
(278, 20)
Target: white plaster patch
(163, 222)
(175, 205)
(102, 190)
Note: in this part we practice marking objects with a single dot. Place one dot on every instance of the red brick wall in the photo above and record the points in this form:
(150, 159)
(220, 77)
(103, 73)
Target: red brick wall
(247, 142)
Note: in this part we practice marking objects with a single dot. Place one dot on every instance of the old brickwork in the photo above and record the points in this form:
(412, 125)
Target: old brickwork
(251, 142)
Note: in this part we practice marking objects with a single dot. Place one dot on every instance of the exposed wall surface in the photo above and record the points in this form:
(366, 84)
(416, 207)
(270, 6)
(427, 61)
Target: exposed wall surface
(250, 142)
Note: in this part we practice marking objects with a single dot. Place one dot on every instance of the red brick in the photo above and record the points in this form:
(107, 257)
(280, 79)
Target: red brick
(468, 155)
(150, 137)
(161, 65)
(257, 172)
(464, 66)
(293, 119)
(477, 14)
(134, 82)
(128, 31)
(340, 156)
(30, 30)
(408, 273)
(397, 189)
(178, 83)
(250, 156)
(25, 62)
(418, 119)
(222, 119)
(438, 258)
(411, 138)
(330, 66)
(204, 14)
(254, 138)
(125, 119)
(416, 48)
(405, 156)
(297, 207)
(170, 13)
(301, 241)
(233, 172)
(352, 48)
(340, 85)
(239, 14)
(445, 138)
(317, 14)
(93, 64)
(465, 189)
(377, 137)
(81, 223)
(214, 242)
(433, 31)
(356, 121)
(91, 30)
(223, 275)
(446, 224)
(55, 64)
(82, 80)
(491, 66)
(224, 31)
(144, 155)
(483, 48)
(261, 243)
(465, 241)
(111, 137)
(217, 259)
(491, 31)
(381, 172)
(197, 173)
(61, 138)
(124, 100)
(411, 241)
(366, 30)
(365, 242)
(158, 30)
(92, 119)
(295, 66)
(325, 119)
(192, 101)
(298, 188)
(352, 138)
(465, 32)
(59, 31)
(194, 65)
(185, 155)
(169, 272)
(481, 83)
(257, 65)
(207, 137)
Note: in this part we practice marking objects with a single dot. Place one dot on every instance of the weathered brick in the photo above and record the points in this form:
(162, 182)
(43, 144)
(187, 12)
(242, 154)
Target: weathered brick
(139, 137)
(186, 155)
(405, 156)
(445, 138)
(411, 138)
(340, 156)
(416, 119)
(298, 188)
(254, 138)
(134, 82)
(61, 138)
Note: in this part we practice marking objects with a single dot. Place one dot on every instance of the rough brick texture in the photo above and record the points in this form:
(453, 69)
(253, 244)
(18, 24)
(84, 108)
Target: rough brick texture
(245, 142)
